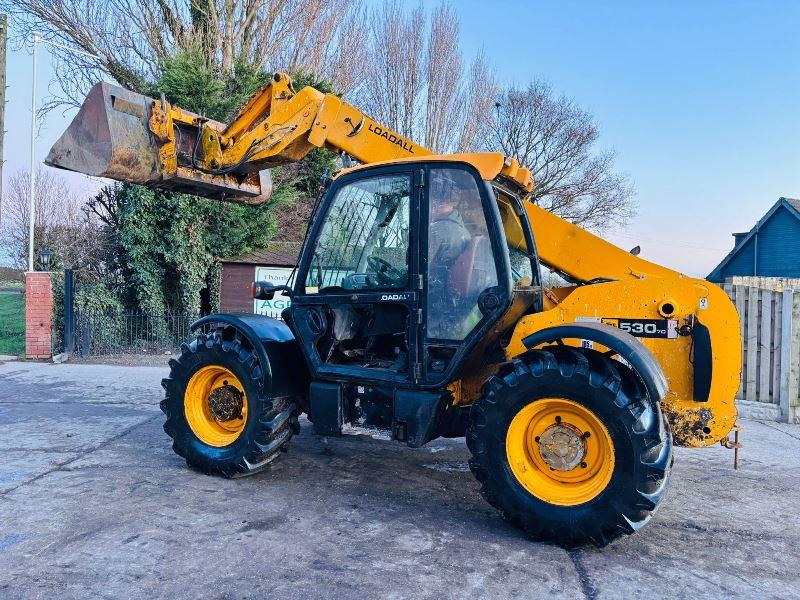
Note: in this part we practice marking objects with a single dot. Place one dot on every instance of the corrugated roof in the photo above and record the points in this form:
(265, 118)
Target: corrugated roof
(279, 254)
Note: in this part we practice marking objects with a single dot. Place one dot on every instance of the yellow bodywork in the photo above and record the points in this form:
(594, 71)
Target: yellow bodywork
(638, 289)
(641, 290)
(631, 288)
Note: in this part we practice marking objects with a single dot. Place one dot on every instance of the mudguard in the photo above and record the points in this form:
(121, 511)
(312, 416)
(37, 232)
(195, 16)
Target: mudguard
(703, 361)
(276, 348)
(624, 344)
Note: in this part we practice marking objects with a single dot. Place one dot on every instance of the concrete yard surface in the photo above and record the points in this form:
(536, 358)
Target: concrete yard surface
(93, 503)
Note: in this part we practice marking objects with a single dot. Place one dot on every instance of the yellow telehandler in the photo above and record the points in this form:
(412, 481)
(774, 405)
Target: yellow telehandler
(418, 307)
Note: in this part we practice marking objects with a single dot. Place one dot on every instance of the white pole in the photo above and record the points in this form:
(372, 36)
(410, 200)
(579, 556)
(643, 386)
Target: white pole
(37, 39)
(32, 208)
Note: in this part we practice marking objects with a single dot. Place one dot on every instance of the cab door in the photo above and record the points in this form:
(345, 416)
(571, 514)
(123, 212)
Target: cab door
(466, 266)
(357, 295)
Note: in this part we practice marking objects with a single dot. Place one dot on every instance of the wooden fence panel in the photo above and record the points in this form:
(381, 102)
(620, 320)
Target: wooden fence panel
(793, 401)
(751, 369)
(765, 347)
(769, 316)
(740, 298)
(777, 322)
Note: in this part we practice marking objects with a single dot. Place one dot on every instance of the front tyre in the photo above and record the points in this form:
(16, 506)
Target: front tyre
(566, 443)
(220, 414)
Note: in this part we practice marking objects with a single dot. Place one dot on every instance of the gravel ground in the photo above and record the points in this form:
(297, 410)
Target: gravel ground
(93, 503)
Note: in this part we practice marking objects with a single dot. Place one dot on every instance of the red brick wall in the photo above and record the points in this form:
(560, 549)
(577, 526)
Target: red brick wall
(234, 293)
(38, 314)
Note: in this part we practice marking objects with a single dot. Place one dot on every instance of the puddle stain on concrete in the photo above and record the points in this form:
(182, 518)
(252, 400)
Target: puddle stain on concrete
(13, 476)
(12, 538)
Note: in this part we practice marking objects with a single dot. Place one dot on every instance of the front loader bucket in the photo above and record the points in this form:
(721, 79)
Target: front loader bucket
(110, 137)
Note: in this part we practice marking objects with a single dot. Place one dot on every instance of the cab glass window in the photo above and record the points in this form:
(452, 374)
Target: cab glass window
(461, 263)
(522, 269)
(365, 238)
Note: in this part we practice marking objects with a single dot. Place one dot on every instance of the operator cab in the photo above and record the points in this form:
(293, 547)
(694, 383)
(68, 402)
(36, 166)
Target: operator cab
(407, 275)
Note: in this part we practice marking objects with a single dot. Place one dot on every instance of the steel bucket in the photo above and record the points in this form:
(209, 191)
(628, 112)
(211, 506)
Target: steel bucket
(110, 137)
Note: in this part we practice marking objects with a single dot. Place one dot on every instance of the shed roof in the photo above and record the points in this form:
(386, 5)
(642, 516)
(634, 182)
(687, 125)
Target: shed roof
(279, 254)
(791, 204)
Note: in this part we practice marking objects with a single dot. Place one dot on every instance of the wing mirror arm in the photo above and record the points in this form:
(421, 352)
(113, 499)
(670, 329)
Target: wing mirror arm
(266, 290)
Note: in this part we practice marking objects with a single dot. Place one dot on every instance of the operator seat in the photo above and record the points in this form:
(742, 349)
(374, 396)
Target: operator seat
(471, 269)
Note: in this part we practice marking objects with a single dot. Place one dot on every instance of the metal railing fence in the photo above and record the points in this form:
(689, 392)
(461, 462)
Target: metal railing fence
(98, 333)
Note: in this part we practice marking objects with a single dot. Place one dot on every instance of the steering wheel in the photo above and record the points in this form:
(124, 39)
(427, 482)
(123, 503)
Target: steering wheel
(385, 271)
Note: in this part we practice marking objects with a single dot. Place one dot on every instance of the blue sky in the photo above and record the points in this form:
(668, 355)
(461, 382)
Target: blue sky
(699, 100)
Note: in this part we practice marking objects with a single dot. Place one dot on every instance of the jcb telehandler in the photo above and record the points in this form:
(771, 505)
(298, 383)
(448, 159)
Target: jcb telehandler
(417, 306)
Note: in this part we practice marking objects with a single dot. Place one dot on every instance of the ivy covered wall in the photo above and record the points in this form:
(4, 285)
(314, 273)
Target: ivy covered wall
(166, 246)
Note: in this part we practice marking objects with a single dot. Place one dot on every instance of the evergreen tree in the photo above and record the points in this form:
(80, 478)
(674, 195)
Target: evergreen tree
(171, 244)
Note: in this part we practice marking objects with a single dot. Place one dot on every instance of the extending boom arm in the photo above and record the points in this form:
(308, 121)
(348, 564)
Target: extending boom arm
(128, 137)
(582, 255)
(278, 126)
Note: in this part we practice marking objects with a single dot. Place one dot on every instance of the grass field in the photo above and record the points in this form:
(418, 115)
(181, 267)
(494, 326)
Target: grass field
(12, 324)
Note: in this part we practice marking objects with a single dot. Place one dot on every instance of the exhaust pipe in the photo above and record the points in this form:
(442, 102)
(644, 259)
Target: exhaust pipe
(111, 137)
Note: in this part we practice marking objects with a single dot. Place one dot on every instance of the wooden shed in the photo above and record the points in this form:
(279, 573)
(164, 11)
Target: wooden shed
(770, 249)
(274, 263)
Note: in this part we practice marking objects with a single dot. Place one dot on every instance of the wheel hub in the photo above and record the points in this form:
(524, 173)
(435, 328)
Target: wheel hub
(560, 451)
(561, 446)
(215, 405)
(225, 403)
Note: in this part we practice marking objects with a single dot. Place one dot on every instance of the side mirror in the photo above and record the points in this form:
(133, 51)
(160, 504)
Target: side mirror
(266, 290)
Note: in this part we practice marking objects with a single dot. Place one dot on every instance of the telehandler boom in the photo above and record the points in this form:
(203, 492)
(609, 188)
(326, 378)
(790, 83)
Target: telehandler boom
(418, 307)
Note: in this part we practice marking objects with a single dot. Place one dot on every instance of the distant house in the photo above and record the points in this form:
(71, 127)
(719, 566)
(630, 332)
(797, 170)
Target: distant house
(770, 249)
(274, 263)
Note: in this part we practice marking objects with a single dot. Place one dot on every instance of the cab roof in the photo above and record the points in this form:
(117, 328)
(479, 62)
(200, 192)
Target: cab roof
(490, 165)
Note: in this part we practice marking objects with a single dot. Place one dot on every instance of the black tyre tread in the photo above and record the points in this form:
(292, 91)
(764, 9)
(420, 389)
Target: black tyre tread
(614, 512)
(275, 423)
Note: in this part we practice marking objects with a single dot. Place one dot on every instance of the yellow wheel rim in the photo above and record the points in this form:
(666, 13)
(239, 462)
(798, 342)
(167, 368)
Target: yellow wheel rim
(215, 406)
(560, 451)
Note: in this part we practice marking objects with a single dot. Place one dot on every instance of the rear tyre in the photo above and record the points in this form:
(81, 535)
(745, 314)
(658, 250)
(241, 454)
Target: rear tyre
(220, 415)
(566, 443)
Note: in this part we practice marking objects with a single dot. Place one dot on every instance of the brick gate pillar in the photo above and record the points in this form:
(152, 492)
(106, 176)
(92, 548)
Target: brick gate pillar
(38, 315)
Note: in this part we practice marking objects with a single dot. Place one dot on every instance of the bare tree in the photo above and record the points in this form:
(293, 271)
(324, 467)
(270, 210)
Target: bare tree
(393, 72)
(60, 223)
(132, 37)
(555, 139)
(403, 68)
(443, 94)
(415, 79)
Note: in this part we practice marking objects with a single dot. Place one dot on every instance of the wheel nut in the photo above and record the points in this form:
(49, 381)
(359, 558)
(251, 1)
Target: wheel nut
(583, 465)
(586, 435)
(536, 439)
(558, 419)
